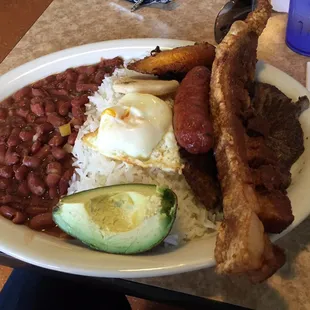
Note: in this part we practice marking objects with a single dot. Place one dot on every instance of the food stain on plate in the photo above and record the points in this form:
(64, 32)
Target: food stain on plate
(28, 236)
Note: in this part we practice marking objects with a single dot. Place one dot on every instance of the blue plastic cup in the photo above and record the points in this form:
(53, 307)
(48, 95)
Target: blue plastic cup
(298, 27)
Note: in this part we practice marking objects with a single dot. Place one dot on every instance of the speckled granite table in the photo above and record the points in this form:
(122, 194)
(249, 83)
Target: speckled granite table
(69, 23)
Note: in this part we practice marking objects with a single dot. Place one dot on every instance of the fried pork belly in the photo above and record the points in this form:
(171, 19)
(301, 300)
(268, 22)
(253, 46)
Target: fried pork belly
(275, 211)
(276, 142)
(242, 244)
(257, 20)
(273, 259)
(201, 175)
(269, 178)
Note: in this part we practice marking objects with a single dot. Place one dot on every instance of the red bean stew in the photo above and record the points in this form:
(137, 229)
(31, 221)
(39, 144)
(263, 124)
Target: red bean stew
(35, 165)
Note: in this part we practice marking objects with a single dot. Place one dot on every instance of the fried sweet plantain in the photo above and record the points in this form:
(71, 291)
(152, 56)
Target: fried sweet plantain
(176, 61)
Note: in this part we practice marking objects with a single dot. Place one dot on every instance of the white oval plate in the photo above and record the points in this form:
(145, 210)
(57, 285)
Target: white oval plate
(52, 253)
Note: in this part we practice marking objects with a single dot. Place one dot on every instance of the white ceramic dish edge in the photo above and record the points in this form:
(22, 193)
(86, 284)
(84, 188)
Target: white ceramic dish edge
(48, 252)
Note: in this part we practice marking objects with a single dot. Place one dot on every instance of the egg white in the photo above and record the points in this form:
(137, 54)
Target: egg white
(144, 138)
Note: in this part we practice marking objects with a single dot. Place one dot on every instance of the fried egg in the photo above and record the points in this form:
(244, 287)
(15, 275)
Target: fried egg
(138, 130)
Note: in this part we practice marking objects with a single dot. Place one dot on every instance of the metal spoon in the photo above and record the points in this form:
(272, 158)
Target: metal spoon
(230, 12)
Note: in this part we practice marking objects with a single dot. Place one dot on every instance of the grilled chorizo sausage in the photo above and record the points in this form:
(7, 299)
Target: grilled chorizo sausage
(192, 124)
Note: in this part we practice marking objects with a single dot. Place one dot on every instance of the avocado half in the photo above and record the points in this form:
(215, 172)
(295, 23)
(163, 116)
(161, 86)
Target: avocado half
(120, 219)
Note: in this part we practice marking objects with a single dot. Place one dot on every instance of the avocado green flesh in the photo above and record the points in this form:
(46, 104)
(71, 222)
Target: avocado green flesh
(124, 219)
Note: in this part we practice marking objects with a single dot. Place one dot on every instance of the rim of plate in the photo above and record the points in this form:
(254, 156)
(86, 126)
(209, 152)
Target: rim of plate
(263, 72)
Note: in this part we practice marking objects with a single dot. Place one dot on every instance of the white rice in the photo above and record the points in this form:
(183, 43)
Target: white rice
(95, 170)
